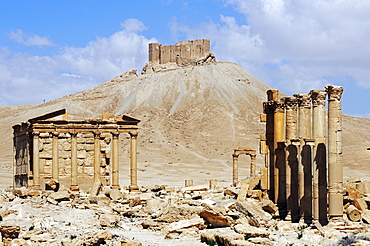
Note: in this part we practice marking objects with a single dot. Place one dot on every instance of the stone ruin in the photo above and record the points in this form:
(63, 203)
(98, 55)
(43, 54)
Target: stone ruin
(182, 54)
(73, 153)
(303, 157)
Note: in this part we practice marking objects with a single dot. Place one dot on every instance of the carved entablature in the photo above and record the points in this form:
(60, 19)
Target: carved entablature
(318, 97)
(291, 103)
(334, 92)
(304, 99)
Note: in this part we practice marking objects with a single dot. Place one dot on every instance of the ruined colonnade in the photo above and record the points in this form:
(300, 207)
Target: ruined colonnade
(303, 160)
(241, 151)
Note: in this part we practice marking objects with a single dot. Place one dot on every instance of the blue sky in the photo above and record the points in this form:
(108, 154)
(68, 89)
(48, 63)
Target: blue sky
(52, 48)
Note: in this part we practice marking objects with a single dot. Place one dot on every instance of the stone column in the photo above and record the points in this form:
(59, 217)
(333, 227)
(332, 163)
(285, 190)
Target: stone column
(55, 161)
(235, 168)
(115, 166)
(335, 165)
(97, 156)
(304, 132)
(319, 169)
(253, 165)
(133, 160)
(279, 147)
(74, 170)
(291, 134)
(36, 161)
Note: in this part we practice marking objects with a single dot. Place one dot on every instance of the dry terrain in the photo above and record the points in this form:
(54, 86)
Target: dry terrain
(191, 120)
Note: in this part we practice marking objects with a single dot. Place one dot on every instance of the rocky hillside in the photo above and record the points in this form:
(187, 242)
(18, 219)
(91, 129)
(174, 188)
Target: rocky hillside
(191, 120)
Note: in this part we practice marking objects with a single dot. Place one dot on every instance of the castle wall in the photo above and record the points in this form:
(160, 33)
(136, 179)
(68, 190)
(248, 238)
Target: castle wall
(184, 49)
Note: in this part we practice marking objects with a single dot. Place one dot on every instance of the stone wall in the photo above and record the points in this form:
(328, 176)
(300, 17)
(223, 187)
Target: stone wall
(182, 50)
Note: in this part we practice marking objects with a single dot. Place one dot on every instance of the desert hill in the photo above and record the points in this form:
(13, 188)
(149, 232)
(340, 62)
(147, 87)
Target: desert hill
(191, 120)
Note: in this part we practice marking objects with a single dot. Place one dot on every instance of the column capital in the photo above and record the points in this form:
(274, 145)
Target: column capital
(55, 134)
(36, 134)
(96, 134)
(334, 92)
(279, 106)
(318, 97)
(291, 103)
(73, 134)
(115, 134)
(134, 133)
(304, 99)
(272, 95)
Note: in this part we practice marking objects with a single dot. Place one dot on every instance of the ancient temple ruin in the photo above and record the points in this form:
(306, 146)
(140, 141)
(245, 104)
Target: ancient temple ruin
(74, 153)
(303, 156)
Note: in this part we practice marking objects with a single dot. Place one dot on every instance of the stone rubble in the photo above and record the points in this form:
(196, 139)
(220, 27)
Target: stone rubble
(163, 215)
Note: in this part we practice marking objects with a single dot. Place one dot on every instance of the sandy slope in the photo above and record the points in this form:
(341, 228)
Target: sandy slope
(191, 120)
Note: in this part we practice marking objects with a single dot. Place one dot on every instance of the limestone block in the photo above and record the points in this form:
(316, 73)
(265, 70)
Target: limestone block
(232, 191)
(241, 243)
(10, 231)
(44, 237)
(365, 214)
(108, 219)
(209, 235)
(259, 240)
(89, 147)
(81, 154)
(86, 135)
(196, 221)
(251, 210)
(251, 231)
(17, 242)
(89, 161)
(80, 162)
(215, 219)
(45, 154)
(21, 192)
(80, 147)
(354, 193)
(226, 237)
(89, 140)
(96, 188)
(81, 140)
(360, 204)
(61, 195)
(44, 135)
(269, 206)
(195, 188)
(353, 213)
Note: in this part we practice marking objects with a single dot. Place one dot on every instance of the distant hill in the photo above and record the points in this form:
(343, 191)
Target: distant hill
(191, 120)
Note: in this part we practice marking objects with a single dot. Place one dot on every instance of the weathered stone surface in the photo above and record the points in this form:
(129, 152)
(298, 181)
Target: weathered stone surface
(108, 219)
(215, 219)
(195, 188)
(226, 237)
(251, 210)
(10, 231)
(232, 191)
(251, 231)
(60, 195)
(196, 221)
(269, 206)
(360, 204)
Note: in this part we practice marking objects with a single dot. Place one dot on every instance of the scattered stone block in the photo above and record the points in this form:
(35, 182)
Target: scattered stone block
(365, 215)
(269, 206)
(52, 185)
(195, 188)
(215, 219)
(353, 213)
(251, 210)
(108, 219)
(60, 195)
(226, 237)
(232, 191)
(194, 222)
(360, 204)
(251, 231)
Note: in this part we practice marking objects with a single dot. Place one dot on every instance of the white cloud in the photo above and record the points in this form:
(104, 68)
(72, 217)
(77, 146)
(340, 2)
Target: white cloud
(28, 79)
(305, 41)
(29, 40)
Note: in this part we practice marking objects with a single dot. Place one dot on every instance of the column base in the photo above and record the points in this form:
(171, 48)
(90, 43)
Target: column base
(117, 187)
(133, 188)
(74, 188)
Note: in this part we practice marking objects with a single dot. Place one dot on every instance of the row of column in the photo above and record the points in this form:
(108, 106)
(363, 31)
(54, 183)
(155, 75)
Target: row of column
(297, 134)
(74, 170)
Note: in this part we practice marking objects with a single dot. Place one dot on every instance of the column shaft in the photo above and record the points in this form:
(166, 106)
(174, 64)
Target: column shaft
(97, 156)
(133, 161)
(319, 195)
(253, 165)
(55, 161)
(335, 165)
(36, 161)
(115, 165)
(279, 148)
(74, 170)
(235, 169)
